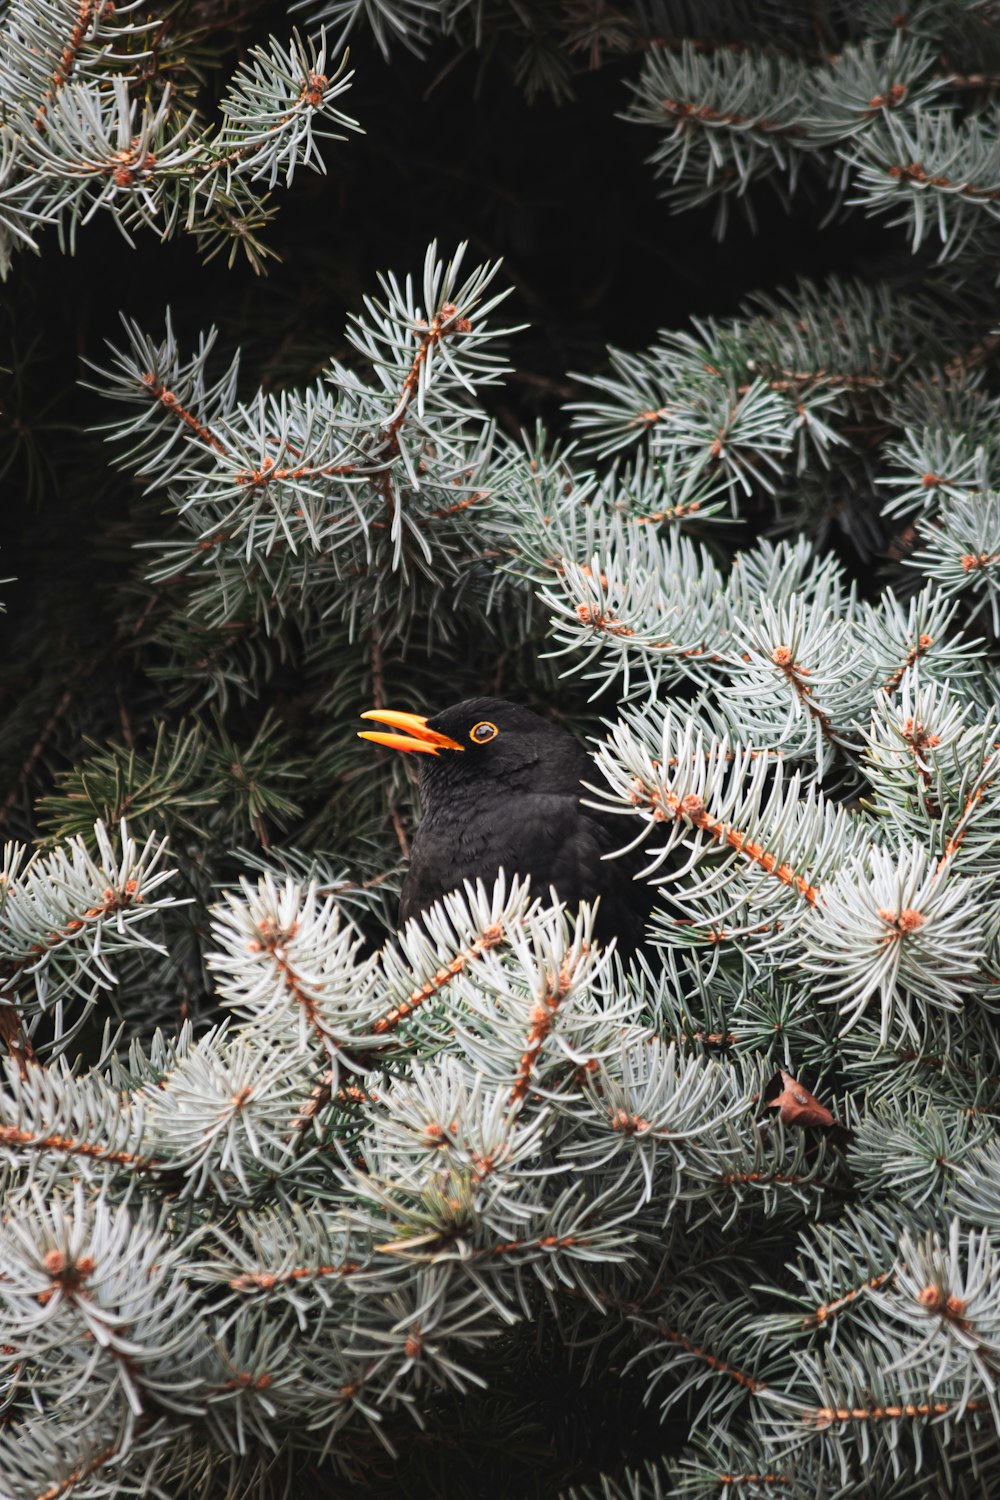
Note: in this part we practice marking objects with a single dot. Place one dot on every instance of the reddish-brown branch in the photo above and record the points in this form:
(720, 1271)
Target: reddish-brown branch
(370, 884)
(263, 1281)
(87, 12)
(491, 937)
(12, 1135)
(81, 1472)
(441, 325)
(352, 1095)
(775, 1479)
(973, 81)
(918, 739)
(311, 93)
(124, 164)
(549, 1242)
(628, 1124)
(891, 99)
(729, 1179)
(686, 113)
(112, 901)
(244, 1381)
(737, 934)
(13, 1037)
(795, 675)
(923, 644)
(543, 1015)
(672, 513)
(828, 1310)
(268, 474)
(169, 400)
(915, 171)
(951, 1309)
(783, 382)
(650, 418)
(272, 941)
(798, 380)
(589, 614)
(741, 1377)
(11, 1032)
(957, 835)
(68, 1276)
(322, 1095)
(829, 1416)
(668, 805)
(977, 355)
(450, 510)
(206, 543)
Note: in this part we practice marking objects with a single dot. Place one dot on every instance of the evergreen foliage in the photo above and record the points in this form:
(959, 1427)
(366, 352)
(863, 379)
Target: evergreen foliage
(296, 1203)
(92, 119)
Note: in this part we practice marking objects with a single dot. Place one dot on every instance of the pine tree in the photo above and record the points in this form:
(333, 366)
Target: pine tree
(296, 1203)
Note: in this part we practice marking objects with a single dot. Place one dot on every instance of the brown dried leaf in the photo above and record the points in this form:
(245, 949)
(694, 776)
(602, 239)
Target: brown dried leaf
(798, 1106)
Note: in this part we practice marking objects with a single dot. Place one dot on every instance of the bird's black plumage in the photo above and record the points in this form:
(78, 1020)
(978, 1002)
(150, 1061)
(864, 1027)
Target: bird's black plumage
(513, 799)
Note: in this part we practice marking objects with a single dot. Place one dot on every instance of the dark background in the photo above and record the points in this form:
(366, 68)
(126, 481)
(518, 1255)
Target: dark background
(560, 191)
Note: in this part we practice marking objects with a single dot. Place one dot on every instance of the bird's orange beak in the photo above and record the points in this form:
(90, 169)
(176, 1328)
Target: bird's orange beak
(416, 738)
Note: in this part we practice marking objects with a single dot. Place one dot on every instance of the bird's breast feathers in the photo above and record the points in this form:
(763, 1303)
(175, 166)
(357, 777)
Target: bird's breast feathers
(543, 835)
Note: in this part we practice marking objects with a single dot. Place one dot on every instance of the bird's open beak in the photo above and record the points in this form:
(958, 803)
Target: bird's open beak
(417, 737)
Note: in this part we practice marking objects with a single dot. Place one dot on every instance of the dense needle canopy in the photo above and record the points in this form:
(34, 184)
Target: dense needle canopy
(502, 788)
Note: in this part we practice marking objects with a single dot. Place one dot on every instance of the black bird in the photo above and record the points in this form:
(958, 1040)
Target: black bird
(501, 786)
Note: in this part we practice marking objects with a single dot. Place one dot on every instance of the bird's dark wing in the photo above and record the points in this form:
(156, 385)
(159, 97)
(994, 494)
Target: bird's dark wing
(626, 901)
(546, 835)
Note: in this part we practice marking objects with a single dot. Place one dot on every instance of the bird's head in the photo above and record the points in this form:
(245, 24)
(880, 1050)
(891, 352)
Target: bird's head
(482, 740)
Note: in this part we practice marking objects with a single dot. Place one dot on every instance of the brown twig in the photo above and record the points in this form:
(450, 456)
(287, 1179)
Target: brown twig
(722, 1367)
(491, 937)
(830, 1416)
(169, 400)
(543, 1015)
(916, 651)
(12, 1135)
(828, 1310)
(35, 754)
(88, 11)
(82, 1471)
(795, 675)
(668, 805)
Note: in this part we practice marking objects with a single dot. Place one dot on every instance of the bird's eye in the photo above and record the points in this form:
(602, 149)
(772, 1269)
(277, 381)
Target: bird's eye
(483, 731)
